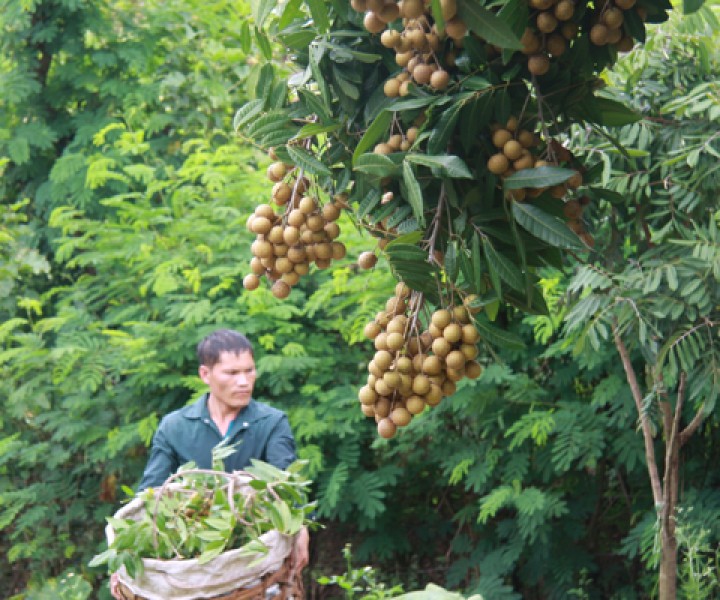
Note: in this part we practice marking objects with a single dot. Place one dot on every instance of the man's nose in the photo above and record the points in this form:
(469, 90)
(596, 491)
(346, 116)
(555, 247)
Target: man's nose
(242, 379)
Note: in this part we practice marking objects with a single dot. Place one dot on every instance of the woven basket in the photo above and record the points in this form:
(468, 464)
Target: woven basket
(290, 587)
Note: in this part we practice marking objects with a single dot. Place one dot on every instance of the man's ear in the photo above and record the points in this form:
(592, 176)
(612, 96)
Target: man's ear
(204, 372)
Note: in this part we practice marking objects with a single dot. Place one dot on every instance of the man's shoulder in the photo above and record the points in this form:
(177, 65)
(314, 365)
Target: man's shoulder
(265, 411)
(181, 415)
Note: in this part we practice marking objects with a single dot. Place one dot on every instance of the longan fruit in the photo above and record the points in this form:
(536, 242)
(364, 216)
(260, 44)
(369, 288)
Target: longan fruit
(512, 149)
(415, 404)
(251, 282)
(441, 347)
(546, 22)
(556, 44)
(473, 369)
(391, 88)
(501, 137)
(389, 12)
(569, 30)
(441, 318)
(382, 408)
(599, 34)
(386, 428)
(498, 163)
(359, 5)
(625, 44)
(281, 193)
(440, 79)
(538, 64)
(455, 28)
(421, 74)
(452, 333)
(613, 17)
(564, 10)
(383, 148)
(373, 23)
(572, 209)
(625, 4)
(526, 161)
(372, 329)
(280, 289)
(470, 335)
(530, 41)
(449, 9)
(421, 385)
(455, 360)
(276, 171)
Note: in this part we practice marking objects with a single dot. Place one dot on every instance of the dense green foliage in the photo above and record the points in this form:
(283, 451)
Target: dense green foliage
(124, 199)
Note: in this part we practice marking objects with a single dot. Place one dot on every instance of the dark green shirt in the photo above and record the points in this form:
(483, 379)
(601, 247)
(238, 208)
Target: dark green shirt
(189, 434)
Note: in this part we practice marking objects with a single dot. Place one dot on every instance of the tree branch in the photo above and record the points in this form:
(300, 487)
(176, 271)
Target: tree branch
(647, 434)
(693, 426)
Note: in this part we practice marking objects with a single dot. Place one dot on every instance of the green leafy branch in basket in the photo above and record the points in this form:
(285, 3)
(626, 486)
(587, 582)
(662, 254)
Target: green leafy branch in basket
(199, 513)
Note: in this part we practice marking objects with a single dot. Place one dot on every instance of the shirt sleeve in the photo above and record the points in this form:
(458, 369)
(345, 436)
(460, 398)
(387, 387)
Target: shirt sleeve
(280, 447)
(162, 463)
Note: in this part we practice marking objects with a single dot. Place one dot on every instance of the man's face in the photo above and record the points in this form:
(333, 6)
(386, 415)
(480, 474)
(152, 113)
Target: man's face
(231, 379)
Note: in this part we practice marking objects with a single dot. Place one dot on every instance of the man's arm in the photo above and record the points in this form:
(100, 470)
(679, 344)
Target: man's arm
(162, 463)
(280, 445)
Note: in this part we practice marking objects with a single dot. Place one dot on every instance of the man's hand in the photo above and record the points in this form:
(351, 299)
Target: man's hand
(115, 587)
(300, 556)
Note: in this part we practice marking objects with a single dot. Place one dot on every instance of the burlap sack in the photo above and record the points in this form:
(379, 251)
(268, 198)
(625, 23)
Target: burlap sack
(188, 580)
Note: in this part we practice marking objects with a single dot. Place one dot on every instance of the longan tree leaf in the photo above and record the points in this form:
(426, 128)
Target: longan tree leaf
(487, 25)
(447, 165)
(445, 127)
(377, 129)
(538, 177)
(378, 165)
(303, 159)
(247, 112)
(496, 336)
(414, 192)
(604, 111)
(504, 267)
(545, 227)
(318, 10)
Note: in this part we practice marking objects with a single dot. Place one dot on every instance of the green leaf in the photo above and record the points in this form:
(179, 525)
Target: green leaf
(261, 9)
(313, 129)
(487, 25)
(303, 159)
(378, 165)
(545, 227)
(440, 134)
(414, 193)
(604, 111)
(318, 10)
(537, 177)
(496, 336)
(448, 165)
(503, 266)
(690, 6)
(377, 129)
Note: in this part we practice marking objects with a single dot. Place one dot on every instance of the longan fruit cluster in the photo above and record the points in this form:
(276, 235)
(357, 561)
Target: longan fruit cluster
(397, 142)
(573, 210)
(411, 370)
(553, 30)
(288, 243)
(608, 25)
(417, 45)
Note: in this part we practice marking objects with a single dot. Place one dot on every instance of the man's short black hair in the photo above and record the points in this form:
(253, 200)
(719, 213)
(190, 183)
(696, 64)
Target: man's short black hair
(222, 340)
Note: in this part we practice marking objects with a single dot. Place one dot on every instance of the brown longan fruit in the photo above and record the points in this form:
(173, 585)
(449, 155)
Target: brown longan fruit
(412, 9)
(556, 44)
(526, 161)
(373, 23)
(564, 10)
(421, 385)
(449, 9)
(452, 333)
(546, 22)
(599, 34)
(512, 149)
(473, 369)
(614, 35)
(382, 408)
(281, 193)
(391, 88)
(455, 28)
(569, 30)
(441, 318)
(470, 335)
(421, 74)
(441, 347)
(613, 17)
(372, 329)
(572, 209)
(280, 289)
(538, 64)
(389, 12)
(501, 137)
(390, 38)
(386, 428)
(498, 163)
(359, 5)
(383, 148)
(276, 171)
(251, 282)
(401, 416)
(367, 395)
(415, 404)
(455, 360)
(530, 42)
(440, 79)
(432, 365)
(625, 44)
(625, 4)
(541, 4)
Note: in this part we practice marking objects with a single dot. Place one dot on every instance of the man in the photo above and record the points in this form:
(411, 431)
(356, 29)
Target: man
(227, 412)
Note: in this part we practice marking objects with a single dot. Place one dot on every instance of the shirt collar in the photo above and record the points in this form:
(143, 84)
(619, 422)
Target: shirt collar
(199, 410)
